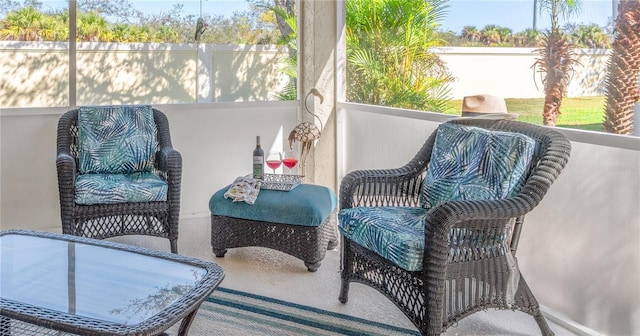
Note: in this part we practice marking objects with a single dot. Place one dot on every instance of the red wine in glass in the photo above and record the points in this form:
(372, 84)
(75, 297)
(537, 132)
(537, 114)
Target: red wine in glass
(290, 162)
(273, 160)
(290, 159)
(273, 164)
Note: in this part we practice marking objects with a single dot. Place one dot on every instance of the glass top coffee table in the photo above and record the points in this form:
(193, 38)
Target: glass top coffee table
(95, 287)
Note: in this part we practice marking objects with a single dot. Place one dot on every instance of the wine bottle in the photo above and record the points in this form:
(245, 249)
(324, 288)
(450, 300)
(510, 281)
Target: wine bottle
(258, 160)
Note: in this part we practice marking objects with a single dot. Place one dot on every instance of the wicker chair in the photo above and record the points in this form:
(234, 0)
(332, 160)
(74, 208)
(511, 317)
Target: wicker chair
(468, 262)
(153, 218)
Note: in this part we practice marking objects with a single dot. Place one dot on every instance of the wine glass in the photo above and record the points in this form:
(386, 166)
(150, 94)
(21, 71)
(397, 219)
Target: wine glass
(290, 159)
(273, 160)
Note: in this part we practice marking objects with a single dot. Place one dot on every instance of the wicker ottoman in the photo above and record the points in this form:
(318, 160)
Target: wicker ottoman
(300, 222)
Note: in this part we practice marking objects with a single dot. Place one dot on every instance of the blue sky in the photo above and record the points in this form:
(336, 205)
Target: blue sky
(514, 14)
(517, 14)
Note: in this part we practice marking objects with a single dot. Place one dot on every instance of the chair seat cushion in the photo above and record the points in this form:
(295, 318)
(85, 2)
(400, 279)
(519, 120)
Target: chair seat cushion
(471, 163)
(395, 233)
(116, 139)
(306, 204)
(119, 188)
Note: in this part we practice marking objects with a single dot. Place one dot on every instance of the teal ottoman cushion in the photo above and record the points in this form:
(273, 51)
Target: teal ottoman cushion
(306, 204)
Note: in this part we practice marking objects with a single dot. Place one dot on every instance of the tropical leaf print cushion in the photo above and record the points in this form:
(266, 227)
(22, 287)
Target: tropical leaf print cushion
(120, 188)
(471, 163)
(395, 233)
(466, 163)
(116, 139)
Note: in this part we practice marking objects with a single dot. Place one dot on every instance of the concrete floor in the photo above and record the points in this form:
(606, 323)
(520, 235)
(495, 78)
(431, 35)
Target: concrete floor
(271, 273)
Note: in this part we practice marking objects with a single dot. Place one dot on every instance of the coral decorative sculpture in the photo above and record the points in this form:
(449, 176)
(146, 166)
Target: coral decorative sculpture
(306, 132)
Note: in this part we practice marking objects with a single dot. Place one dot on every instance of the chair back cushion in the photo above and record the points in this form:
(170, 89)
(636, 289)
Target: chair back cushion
(116, 139)
(472, 163)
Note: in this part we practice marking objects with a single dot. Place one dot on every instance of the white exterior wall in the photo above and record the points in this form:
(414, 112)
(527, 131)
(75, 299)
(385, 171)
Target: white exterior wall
(35, 74)
(509, 72)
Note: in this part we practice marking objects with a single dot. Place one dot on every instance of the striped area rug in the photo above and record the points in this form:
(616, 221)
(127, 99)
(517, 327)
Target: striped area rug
(232, 312)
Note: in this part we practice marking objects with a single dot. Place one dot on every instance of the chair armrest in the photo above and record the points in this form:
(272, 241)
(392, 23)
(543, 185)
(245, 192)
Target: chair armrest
(381, 187)
(66, 168)
(387, 187)
(474, 215)
(444, 216)
(67, 171)
(169, 162)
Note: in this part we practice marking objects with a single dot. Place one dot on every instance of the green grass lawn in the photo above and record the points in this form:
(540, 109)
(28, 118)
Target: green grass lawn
(583, 112)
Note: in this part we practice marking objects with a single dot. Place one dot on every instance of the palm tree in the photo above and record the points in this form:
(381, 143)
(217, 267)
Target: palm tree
(590, 36)
(53, 29)
(93, 27)
(288, 7)
(121, 32)
(289, 38)
(167, 34)
(527, 38)
(23, 24)
(557, 58)
(141, 34)
(490, 35)
(471, 33)
(505, 34)
(494, 35)
(624, 67)
(389, 57)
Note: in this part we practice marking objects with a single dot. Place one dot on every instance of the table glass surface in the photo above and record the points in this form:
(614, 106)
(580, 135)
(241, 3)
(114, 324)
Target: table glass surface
(91, 281)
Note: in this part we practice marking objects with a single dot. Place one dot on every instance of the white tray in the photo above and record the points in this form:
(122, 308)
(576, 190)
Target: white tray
(280, 182)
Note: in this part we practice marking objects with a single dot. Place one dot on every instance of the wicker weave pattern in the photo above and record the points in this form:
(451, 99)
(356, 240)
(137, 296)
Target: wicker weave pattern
(24, 319)
(469, 258)
(101, 221)
(308, 243)
(17, 327)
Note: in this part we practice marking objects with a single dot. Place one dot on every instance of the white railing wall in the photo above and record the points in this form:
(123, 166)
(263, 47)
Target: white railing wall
(216, 142)
(35, 74)
(579, 247)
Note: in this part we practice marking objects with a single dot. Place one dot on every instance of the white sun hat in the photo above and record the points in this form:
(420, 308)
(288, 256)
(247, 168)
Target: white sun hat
(485, 105)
